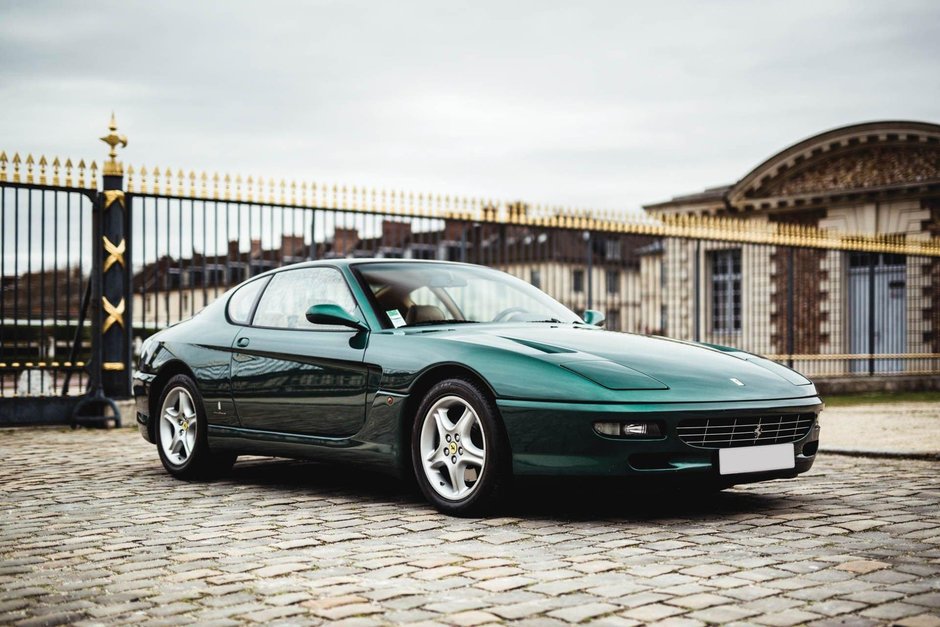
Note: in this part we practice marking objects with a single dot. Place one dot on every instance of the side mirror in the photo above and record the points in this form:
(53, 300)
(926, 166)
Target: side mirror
(333, 314)
(594, 317)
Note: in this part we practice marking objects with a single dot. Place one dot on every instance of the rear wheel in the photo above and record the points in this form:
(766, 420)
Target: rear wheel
(459, 453)
(182, 433)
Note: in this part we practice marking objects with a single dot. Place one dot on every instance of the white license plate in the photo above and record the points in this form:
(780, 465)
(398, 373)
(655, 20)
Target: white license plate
(732, 461)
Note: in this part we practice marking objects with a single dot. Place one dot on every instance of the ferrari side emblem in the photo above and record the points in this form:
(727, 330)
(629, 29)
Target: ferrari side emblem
(736, 381)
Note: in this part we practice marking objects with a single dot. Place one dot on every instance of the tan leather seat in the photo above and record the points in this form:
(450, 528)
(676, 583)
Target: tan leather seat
(423, 313)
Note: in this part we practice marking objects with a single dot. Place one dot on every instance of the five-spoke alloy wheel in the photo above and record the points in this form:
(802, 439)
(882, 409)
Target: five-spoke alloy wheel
(181, 433)
(458, 449)
(178, 421)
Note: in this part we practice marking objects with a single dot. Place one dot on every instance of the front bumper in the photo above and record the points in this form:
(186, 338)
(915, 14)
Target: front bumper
(141, 387)
(559, 439)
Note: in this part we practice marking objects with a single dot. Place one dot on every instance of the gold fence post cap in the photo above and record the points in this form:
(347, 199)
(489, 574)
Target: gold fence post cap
(113, 167)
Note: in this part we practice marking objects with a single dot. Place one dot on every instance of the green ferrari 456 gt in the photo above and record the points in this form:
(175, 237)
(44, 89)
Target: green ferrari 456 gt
(462, 377)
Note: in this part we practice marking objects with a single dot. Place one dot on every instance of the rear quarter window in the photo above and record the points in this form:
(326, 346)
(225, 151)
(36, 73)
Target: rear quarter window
(243, 301)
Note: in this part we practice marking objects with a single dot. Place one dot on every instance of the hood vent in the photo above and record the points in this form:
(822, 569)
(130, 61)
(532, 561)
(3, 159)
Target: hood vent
(613, 376)
(545, 348)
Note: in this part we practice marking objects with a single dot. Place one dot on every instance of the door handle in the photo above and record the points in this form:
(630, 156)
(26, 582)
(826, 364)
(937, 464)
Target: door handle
(243, 342)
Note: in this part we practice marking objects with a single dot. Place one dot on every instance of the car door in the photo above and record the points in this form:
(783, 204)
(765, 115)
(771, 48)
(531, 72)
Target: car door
(291, 376)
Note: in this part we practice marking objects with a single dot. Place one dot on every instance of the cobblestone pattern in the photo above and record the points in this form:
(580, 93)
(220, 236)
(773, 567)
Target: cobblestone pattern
(93, 531)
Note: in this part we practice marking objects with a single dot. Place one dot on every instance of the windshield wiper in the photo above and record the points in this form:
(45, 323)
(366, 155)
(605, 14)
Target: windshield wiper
(429, 322)
(553, 320)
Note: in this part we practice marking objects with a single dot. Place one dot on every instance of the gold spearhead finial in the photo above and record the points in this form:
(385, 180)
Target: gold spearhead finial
(112, 166)
(143, 179)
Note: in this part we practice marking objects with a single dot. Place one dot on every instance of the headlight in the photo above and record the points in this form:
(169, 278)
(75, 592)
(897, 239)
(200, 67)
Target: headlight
(146, 350)
(629, 429)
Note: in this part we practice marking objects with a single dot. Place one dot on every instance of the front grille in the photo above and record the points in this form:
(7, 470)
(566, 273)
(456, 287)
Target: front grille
(756, 431)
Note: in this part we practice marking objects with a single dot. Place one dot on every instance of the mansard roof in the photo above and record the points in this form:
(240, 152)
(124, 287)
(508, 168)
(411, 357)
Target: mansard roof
(853, 159)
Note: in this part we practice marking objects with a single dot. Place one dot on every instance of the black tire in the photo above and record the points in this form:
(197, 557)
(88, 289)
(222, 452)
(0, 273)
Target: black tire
(201, 463)
(493, 482)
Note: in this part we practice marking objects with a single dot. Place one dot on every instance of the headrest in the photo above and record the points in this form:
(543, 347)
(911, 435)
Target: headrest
(423, 313)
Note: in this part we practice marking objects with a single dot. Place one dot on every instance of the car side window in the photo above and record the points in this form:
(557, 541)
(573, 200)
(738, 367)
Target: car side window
(291, 293)
(241, 302)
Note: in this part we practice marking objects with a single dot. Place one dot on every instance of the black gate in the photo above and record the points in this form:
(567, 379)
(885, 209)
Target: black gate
(54, 284)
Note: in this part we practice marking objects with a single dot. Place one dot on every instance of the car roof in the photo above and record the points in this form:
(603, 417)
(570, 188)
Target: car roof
(354, 261)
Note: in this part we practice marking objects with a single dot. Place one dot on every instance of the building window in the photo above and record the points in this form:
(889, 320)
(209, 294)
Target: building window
(726, 290)
(613, 281)
(450, 250)
(257, 266)
(662, 295)
(173, 279)
(613, 249)
(613, 320)
(536, 278)
(237, 273)
(577, 280)
(422, 251)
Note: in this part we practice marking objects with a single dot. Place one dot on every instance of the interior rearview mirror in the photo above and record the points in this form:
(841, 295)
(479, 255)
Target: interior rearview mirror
(333, 314)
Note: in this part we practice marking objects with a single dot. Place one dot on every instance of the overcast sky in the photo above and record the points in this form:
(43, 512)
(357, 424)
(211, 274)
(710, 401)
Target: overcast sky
(579, 103)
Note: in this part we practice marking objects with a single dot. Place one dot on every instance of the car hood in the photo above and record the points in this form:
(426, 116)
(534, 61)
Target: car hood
(623, 361)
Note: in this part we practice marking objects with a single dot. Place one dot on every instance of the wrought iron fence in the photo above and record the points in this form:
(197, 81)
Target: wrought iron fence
(45, 271)
(826, 303)
(824, 311)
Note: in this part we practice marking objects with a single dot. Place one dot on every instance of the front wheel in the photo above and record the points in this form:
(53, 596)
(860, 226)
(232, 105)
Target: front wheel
(182, 433)
(459, 453)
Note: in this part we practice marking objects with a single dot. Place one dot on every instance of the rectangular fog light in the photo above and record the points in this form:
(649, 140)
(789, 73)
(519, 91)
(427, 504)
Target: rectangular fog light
(607, 428)
(628, 429)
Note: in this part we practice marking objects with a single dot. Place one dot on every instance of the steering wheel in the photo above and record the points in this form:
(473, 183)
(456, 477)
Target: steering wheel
(506, 313)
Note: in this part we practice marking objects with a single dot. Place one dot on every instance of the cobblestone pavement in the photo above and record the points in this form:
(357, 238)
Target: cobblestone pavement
(93, 531)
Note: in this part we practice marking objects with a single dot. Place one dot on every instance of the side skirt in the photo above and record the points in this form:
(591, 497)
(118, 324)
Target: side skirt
(375, 455)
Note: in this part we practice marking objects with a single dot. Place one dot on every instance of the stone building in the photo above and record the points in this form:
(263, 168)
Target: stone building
(877, 178)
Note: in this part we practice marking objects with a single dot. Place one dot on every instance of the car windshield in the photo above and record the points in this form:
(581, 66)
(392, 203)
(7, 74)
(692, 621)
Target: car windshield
(415, 294)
